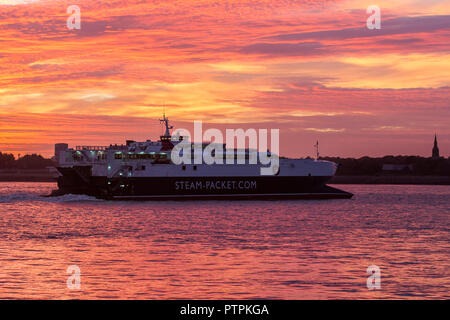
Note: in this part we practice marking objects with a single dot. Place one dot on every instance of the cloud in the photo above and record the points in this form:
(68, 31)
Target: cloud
(394, 26)
(16, 2)
(285, 49)
(294, 64)
(324, 129)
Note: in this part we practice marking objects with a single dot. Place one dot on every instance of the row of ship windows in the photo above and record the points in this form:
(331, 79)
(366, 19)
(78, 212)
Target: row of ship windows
(184, 168)
(145, 156)
(164, 155)
(140, 156)
(142, 168)
(119, 156)
(79, 157)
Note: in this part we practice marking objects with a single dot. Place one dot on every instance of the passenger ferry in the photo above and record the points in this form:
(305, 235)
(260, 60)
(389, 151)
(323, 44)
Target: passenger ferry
(144, 171)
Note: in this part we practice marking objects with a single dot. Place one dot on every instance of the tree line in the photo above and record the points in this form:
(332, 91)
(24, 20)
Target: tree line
(29, 161)
(347, 166)
(374, 166)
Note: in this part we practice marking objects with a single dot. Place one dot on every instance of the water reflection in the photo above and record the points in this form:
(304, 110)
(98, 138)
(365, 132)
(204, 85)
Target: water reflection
(218, 250)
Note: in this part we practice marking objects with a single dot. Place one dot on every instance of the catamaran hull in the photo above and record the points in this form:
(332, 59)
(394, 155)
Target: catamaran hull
(79, 181)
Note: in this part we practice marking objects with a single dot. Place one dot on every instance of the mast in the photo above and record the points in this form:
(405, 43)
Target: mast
(166, 125)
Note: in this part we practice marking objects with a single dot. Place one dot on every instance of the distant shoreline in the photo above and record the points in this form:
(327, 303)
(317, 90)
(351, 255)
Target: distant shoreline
(387, 179)
(46, 175)
(28, 175)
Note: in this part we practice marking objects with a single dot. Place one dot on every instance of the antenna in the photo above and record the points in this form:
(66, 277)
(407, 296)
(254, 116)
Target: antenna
(317, 149)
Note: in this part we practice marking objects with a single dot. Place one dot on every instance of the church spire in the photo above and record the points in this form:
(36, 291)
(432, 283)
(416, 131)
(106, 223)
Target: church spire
(435, 154)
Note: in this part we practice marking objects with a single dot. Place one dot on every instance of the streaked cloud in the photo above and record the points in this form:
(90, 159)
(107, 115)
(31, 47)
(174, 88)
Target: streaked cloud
(310, 67)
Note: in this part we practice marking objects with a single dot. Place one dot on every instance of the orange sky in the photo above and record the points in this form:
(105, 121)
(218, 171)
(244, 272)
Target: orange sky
(310, 68)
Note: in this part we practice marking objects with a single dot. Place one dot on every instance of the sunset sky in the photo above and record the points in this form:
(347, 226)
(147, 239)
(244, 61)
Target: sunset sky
(310, 68)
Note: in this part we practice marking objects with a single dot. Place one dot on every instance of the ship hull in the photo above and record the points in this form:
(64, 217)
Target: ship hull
(79, 181)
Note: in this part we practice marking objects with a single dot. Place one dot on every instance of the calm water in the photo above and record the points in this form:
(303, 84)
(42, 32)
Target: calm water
(236, 250)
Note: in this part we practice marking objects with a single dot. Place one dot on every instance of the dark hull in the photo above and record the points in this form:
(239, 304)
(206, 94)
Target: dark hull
(323, 194)
(79, 181)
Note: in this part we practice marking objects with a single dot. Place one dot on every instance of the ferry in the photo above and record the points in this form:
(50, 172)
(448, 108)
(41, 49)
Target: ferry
(145, 171)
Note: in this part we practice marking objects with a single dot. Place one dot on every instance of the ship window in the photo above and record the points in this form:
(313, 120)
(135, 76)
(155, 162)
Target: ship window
(163, 156)
(77, 156)
(143, 168)
(195, 167)
(183, 167)
(118, 156)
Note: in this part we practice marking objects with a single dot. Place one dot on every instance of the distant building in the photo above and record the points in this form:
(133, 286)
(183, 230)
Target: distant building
(58, 148)
(397, 167)
(435, 154)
